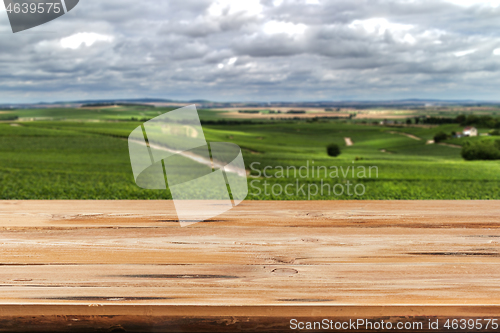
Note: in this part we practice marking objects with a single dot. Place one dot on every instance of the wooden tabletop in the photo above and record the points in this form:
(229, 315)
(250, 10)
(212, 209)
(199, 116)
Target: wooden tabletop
(129, 266)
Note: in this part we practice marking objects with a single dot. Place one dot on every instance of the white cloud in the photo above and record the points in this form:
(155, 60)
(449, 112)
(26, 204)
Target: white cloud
(434, 36)
(280, 27)
(230, 62)
(469, 3)
(84, 38)
(232, 7)
(232, 50)
(464, 53)
(379, 26)
(409, 39)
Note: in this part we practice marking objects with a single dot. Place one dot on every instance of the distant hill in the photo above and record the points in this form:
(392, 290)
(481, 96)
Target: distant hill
(403, 103)
(116, 101)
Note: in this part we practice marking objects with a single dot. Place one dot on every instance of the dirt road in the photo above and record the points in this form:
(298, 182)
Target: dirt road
(348, 142)
(450, 145)
(411, 136)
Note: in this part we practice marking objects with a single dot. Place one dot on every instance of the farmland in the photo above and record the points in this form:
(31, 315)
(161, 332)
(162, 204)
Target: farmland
(83, 154)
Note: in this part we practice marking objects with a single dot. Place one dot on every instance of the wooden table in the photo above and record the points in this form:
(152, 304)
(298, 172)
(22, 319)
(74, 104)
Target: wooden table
(129, 266)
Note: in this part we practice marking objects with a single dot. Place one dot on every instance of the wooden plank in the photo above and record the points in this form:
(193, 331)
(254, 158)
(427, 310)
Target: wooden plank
(129, 265)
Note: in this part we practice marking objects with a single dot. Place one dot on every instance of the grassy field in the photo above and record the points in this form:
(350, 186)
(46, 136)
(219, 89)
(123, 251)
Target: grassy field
(83, 154)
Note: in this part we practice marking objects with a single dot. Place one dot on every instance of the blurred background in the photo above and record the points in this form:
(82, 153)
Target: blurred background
(407, 86)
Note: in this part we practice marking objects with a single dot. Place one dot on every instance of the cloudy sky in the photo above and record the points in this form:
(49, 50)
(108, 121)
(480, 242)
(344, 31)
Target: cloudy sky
(257, 50)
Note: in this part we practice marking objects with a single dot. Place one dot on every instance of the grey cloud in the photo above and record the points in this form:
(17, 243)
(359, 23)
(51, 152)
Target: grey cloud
(258, 51)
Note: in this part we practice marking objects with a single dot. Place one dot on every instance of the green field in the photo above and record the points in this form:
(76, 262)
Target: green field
(83, 154)
(113, 113)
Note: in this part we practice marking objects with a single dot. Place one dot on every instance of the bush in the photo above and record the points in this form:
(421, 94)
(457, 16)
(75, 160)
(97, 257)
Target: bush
(438, 121)
(333, 150)
(249, 111)
(4, 117)
(478, 120)
(495, 132)
(482, 150)
(441, 136)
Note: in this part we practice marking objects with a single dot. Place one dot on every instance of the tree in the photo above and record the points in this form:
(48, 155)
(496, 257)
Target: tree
(441, 136)
(461, 119)
(333, 150)
(482, 150)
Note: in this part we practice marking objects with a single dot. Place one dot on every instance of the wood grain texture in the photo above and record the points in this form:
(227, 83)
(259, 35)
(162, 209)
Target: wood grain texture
(128, 265)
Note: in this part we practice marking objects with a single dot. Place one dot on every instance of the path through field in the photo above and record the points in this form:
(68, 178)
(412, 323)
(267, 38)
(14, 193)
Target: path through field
(450, 145)
(197, 158)
(348, 142)
(411, 136)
